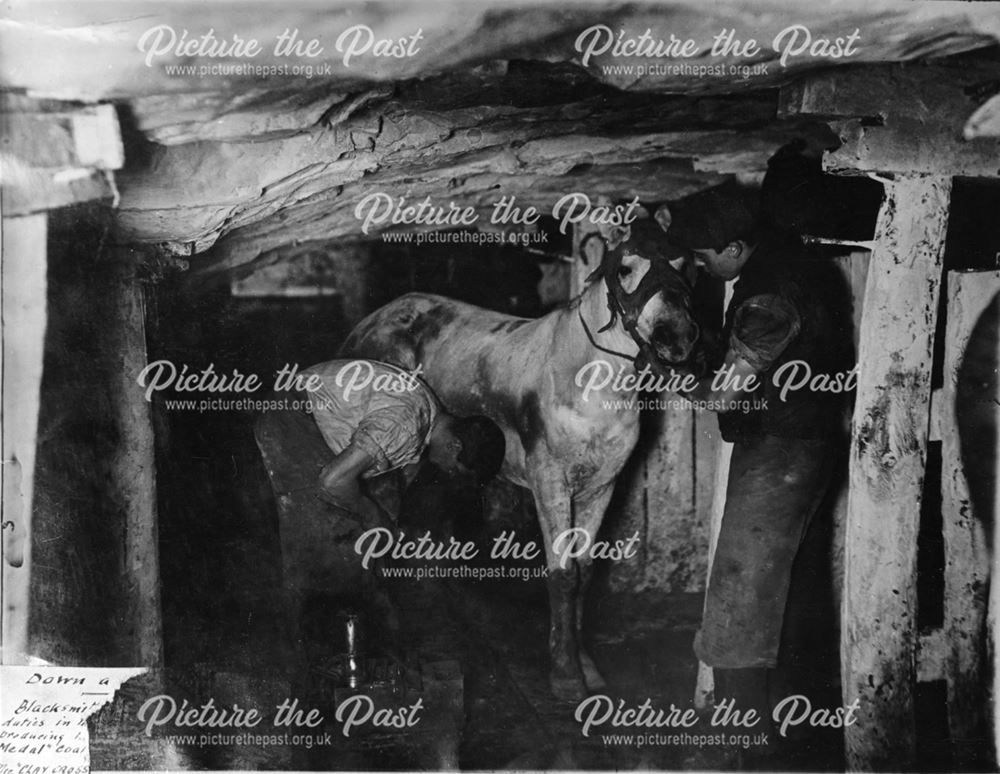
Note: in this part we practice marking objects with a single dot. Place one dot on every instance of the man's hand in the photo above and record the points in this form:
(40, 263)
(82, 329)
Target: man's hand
(726, 397)
(344, 497)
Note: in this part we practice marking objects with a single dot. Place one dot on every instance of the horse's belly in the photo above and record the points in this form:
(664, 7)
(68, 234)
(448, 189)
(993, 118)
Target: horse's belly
(592, 448)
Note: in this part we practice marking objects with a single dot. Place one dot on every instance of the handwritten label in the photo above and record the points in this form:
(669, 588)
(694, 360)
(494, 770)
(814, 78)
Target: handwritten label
(43, 715)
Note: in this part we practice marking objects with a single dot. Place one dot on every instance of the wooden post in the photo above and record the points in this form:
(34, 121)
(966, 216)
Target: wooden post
(24, 315)
(133, 468)
(671, 521)
(966, 572)
(888, 452)
(52, 155)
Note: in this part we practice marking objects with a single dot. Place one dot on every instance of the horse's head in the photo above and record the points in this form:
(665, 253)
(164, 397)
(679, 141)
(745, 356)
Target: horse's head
(647, 292)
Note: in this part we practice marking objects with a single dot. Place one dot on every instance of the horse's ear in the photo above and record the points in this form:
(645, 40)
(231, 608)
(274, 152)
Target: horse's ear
(592, 249)
(618, 235)
(663, 216)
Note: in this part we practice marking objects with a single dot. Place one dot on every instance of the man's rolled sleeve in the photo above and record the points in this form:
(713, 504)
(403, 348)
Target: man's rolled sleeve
(391, 436)
(367, 438)
(763, 327)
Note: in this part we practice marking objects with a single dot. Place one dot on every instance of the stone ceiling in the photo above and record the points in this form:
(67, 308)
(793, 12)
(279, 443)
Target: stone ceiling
(487, 100)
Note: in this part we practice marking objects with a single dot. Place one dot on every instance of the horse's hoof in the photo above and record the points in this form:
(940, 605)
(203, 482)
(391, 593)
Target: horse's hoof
(593, 680)
(591, 676)
(568, 688)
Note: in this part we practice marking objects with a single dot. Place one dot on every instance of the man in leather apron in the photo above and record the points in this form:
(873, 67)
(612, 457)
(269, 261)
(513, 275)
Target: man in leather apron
(783, 309)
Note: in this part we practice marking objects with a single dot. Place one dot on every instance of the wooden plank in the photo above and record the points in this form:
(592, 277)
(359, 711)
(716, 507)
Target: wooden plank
(671, 551)
(854, 267)
(80, 137)
(25, 263)
(627, 515)
(907, 120)
(913, 148)
(886, 92)
(888, 452)
(133, 469)
(985, 122)
(56, 155)
(967, 562)
(27, 190)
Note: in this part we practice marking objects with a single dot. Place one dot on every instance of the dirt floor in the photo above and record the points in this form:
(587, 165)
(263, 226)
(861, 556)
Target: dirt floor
(475, 653)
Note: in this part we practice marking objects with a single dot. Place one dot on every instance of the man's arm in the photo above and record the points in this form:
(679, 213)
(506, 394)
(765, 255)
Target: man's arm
(763, 328)
(341, 475)
(340, 481)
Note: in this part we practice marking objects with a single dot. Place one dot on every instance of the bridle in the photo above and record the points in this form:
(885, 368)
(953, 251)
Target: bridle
(628, 306)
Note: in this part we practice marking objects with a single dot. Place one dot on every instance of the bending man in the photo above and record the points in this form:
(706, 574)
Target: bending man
(339, 453)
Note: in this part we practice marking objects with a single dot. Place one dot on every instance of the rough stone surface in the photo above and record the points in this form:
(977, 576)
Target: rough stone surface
(494, 101)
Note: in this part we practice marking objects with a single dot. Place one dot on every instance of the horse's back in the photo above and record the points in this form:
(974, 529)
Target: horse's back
(445, 337)
(398, 332)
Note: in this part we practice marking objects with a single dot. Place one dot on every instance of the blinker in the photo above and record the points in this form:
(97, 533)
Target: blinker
(645, 239)
(659, 276)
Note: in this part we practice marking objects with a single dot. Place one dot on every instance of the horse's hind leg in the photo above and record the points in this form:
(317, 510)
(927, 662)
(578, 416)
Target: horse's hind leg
(566, 678)
(589, 515)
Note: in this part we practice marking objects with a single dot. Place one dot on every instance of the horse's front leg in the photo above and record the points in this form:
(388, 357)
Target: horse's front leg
(552, 498)
(589, 510)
